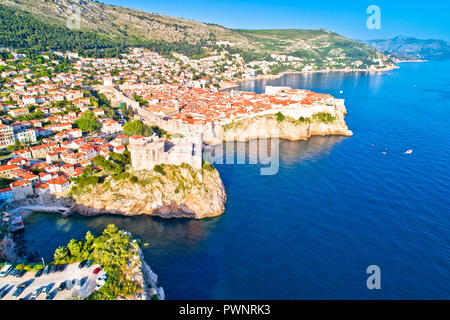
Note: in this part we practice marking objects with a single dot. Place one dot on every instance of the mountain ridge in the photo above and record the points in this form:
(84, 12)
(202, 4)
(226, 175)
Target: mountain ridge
(410, 48)
(119, 27)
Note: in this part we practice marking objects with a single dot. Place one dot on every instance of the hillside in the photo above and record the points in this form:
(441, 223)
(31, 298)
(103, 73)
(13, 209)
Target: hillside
(106, 26)
(408, 48)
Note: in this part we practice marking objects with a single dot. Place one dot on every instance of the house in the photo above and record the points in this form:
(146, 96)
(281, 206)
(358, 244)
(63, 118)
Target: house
(6, 136)
(44, 176)
(6, 195)
(24, 153)
(89, 149)
(39, 152)
(122, 138)
(21, 189)
(99, 112)
(41, 189)
(111, 126)
(58, 185)
(119, 149)
(20, 162)
(74, 133)
(20, 174)
(26, 136)
(19, 112)
(98, 141)
(6, 171)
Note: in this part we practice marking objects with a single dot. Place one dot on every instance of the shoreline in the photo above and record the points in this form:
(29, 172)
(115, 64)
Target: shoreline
(237, 83)
(408, 61)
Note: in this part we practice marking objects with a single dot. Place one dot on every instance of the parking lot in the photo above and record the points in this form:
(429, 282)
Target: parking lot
(71, 272)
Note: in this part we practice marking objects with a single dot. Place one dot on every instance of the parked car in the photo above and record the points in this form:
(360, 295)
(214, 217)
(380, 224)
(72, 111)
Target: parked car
(21, 273)
(14, 272)
(81, 265)
(60, 267)
(39, 273)
(88, 263)
(49, 296)
(47, 288)
(52, 269)
(62, 286)
(36, 292)
(6, 270)
(3, 293)
(18, 292)
(102, 279)
(46, 269)
(24, 284)
(81, 282)
(99, 286)
(96, 270)
(69, 284)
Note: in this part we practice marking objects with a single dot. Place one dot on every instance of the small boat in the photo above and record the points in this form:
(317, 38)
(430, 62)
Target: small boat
(16, 225)
(408, 151)
(341, 91)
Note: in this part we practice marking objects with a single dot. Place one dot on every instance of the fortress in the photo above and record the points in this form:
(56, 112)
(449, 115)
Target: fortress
(150, 151)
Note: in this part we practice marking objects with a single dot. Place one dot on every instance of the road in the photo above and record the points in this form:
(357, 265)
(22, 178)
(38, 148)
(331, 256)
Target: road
(71, 272)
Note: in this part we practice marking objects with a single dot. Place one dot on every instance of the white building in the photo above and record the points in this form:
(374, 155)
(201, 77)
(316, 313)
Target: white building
(21, 189)
(111, 126)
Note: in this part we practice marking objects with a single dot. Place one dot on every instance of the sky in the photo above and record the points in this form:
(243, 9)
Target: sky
(424, 19)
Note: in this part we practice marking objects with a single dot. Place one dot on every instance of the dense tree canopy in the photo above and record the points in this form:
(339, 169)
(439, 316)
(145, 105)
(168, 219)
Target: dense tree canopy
(88, 122)
(21, 30)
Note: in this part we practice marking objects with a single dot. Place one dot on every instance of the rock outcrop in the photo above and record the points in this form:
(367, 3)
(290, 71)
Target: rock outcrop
(180, 192)
(269, 126)
(141, 273)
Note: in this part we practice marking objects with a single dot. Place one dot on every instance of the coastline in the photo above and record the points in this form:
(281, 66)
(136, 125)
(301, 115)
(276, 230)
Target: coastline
(410, 61)
(237, 83)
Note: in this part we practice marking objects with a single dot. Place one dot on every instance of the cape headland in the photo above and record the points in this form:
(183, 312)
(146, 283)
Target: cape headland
(169, 191)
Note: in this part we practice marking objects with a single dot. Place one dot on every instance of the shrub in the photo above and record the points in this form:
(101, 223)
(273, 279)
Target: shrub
(134, 179)
(280, 116)
(208, 167)
(324, 117)
(160, 169)
(37, 267)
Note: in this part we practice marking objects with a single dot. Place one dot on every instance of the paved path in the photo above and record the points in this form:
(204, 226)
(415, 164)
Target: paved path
(71, 272)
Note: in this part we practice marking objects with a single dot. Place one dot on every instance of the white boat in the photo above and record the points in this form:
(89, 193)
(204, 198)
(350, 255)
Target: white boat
(16, 223)
(408, 151)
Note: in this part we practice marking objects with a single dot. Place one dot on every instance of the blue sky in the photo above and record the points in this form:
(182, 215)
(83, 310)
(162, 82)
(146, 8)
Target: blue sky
(424, 19)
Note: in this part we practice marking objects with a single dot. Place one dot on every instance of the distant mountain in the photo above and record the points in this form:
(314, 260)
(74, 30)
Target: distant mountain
(408, 48)
(41, 24)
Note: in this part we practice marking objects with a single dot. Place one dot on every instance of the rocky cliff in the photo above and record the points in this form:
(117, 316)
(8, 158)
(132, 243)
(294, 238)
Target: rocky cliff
(271, 126)
(177, 192)
(141, 274)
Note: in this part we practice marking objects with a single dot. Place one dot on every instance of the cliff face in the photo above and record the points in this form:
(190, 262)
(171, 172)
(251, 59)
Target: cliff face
(270, 126)
(141, 274)
(180, 192)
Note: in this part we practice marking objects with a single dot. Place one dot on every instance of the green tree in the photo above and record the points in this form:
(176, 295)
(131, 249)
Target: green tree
(88, 122)
(134, 127)
(61, 253)
(75, 248)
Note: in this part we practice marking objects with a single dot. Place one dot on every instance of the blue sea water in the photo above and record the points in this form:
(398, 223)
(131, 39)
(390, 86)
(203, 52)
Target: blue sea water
(336, 206)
